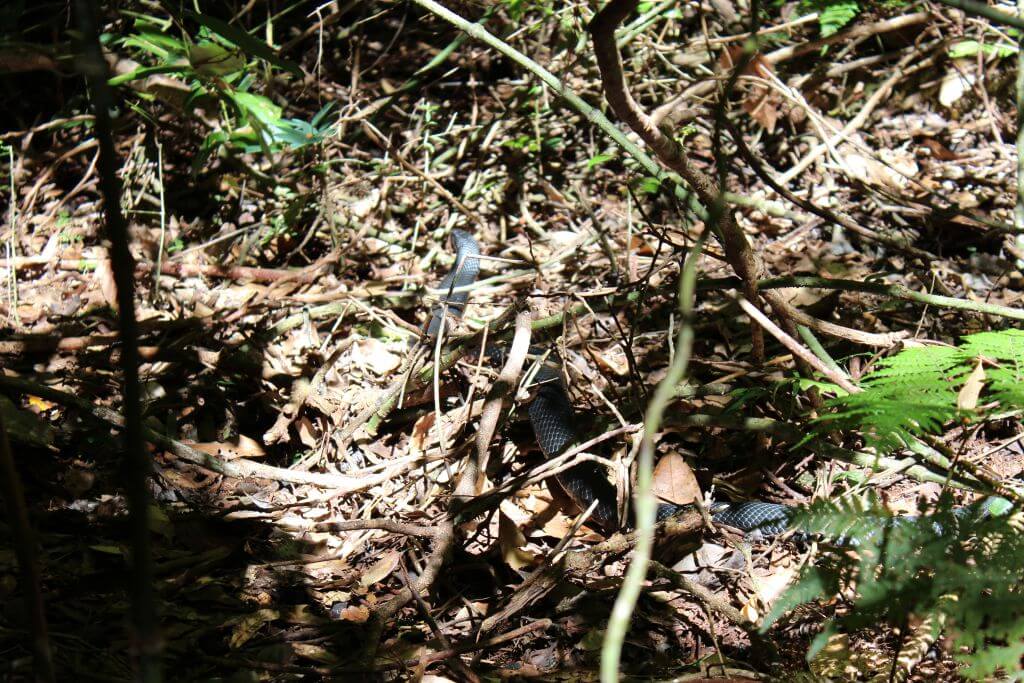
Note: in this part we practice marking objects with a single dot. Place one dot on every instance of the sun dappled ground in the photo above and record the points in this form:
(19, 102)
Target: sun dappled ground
(289, 207)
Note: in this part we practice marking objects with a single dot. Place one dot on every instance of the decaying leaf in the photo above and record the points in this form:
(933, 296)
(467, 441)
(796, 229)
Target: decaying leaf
(959, 79)
(374, 355)
(240, 447)
(357, 614)
(315, 653)
(674, 481)
(380, 569)
(248, 625)
(421, 432)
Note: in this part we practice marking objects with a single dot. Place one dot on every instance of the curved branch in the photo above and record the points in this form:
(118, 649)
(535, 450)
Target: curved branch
(737, 249)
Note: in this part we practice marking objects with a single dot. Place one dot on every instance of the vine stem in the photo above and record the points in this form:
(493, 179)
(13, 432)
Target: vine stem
(646, 505)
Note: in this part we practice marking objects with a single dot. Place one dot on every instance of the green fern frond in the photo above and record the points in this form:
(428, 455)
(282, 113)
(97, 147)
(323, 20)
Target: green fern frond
(923, 362)
(833, 14)
(962, 567)
(1006, 351)
(915, 392)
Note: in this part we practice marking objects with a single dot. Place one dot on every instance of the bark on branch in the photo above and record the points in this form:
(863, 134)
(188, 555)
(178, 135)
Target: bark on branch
(737, 249)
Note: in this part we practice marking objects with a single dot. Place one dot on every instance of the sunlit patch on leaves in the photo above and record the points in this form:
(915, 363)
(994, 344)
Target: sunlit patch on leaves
(648, 185)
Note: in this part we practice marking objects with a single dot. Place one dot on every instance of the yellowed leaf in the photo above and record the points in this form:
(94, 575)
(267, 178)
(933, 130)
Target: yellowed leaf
(967, 399)
(40, 404)
(511, 541)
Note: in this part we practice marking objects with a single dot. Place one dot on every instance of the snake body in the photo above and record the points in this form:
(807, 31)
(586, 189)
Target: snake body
(553, 420)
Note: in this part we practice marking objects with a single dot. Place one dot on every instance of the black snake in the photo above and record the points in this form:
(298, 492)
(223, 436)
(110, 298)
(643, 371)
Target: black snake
(553, 420)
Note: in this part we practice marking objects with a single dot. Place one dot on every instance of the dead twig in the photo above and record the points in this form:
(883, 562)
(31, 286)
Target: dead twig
(503, 387)
(798, 349)
(737, 249)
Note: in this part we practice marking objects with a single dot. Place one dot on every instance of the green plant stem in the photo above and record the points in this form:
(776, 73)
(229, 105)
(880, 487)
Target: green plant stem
(981, 10)
(818, 350)
(638, 25)
(595, 116)
(892, 291)
(646, 505)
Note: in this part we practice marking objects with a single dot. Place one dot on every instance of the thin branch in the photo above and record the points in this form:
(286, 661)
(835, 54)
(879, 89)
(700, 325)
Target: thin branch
(737, 249)
(503, 387)
(895, 291)
(137, 465)
(796, 348)
(646, 504)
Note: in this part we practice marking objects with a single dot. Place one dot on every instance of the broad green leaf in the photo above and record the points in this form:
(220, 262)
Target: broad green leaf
(245, 40)
(258, 107)
(211, 59)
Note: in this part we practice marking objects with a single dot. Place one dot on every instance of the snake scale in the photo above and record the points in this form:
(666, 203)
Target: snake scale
(554, 425)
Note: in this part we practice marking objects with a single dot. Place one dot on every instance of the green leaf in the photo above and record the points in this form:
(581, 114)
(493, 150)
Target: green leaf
(257, 107)
(832, 14)
(599, 159)
(147, 71)
(836, 15)
(649, 185)
(211, 59)
(971, 48)
(162, 46)
(245, 40)
(108, 549)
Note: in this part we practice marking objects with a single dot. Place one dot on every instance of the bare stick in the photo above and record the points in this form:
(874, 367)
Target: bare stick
(137, 463)
(502, 388)
(797, 349)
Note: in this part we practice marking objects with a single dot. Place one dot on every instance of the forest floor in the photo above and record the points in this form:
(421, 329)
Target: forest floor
(285, 249)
